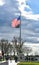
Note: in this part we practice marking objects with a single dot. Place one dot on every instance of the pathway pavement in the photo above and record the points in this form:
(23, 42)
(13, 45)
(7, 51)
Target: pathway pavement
(4, 63)
(9, 62)
(12, 62)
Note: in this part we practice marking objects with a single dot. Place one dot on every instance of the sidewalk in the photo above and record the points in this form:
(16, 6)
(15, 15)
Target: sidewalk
(12, 62)
(2, 61)
(9, 62)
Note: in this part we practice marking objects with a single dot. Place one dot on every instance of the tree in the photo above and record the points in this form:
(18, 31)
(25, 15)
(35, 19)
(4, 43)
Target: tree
(2, 47)
(6, 47)
(10, 48)
(17, 45)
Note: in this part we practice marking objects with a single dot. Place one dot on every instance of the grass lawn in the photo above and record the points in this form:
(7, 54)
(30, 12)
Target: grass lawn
(28, 63)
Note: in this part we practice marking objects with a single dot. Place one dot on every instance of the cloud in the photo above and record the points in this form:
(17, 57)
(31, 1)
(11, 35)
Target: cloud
(32, 16)
(30, 28)
(8, 33)
(34, 47)
(22, 5)
(2, 2)
(29, 14)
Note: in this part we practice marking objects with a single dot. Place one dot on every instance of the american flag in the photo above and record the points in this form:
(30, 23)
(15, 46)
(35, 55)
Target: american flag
(16, 22)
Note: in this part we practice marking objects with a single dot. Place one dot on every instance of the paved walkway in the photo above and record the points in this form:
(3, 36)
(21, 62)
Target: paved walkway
(9, 62)
(12, 62)
(4, 63)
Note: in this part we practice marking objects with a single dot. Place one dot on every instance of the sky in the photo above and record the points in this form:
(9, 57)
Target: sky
(34, 47)
(10, 9)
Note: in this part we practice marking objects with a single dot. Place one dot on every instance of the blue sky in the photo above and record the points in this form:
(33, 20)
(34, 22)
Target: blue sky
(34, 6)
(9, 9)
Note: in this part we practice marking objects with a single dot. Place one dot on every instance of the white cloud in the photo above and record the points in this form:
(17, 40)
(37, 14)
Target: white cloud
(34, 38)
(21, 1)
(28, 7)
(28, 15)
(28, 26)
(38, 39)
(31, 16)
(2, 2)
(28, 32)
(35, 47)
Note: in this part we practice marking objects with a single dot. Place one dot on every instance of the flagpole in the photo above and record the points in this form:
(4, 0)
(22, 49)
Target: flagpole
(20, 27)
